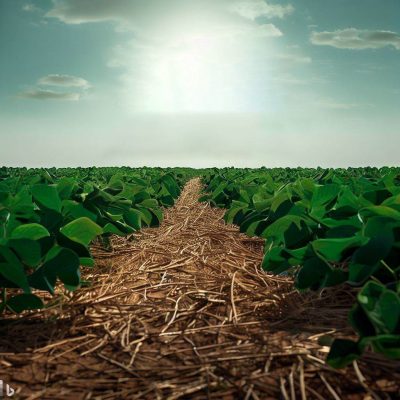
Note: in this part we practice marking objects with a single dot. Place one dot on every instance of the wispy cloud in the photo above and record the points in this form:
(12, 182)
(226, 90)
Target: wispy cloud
(29, 7)
(56, 80)
(356, 39)
(64, 80)
(134, 12)
(42, 94)
(253, 9)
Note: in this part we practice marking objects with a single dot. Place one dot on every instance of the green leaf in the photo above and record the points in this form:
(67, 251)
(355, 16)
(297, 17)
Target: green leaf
(382, 306)
(86, 261)
(290, 229)
(360, 322)
(262, 201)
(43, 280)
(47, 196)
(82, 230)
(312, 274)
(28, 251)
(324, 194)
(74, 209)
(335, 249)
(12, 269)
(348, 203)
(65, 264)
(21, 204)
(147, 216)
(389, 307)
(380, 211)
(359, 273)
(117, 229)
(335, 277)
(274, 261)
(149, 203)
(30, 231)
(376, 249)
(23, 302)
(133, 218)
(231, 214)
(157, 217)
(342, 353)
(65, 187)
(388, 345)
(369, 295)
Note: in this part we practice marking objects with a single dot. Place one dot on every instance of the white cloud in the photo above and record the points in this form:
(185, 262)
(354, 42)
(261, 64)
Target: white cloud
(29, 7)
(41, 94)
(139, 14)
(188, 55)
(252, 9)
(269, 30)
(357, 39)
(64, 80)
(131, 13)
(57, 80)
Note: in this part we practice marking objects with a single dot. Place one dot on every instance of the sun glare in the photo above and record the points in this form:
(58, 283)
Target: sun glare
(184, 74)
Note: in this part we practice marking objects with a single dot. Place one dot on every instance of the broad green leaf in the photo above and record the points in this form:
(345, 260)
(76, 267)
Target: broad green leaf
(324, 194)
(360, 322)
(149, 203)
(86, 261)
(366, 259)
(82, 230)
(312, 274)
(380, 211)
(23, 302)
(29, 251)
(117, 229)
(358, 273)
(65, 264)
(335, 249)
(71, 208)
(43, 280)
(388, 345)
(30, 231)
(389, 307)
(12, 269)
(335, 277)
(274, 261)
(65, 187)
(47, 196)
(342, 353)
(289, 229)
(133, 218)
(370, 294)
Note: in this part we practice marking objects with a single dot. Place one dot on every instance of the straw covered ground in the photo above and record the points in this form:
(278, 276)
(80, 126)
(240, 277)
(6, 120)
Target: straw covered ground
(184, 311)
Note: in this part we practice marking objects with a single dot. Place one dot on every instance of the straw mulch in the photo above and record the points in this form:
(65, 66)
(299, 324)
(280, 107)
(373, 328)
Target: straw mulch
(183, 311)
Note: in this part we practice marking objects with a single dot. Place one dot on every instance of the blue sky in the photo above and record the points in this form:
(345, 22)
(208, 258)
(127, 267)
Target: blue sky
(199, 82)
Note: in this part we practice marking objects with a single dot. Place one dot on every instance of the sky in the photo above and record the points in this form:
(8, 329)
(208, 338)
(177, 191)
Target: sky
(200, 83)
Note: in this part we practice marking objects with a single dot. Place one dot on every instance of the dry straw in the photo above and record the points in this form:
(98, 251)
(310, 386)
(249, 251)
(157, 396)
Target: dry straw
(184, 311)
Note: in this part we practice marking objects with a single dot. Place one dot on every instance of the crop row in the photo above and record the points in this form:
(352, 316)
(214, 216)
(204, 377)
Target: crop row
(48, 218)
(326, 228)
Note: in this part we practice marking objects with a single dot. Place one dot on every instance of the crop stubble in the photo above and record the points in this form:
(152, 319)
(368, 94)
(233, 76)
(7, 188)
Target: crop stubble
(184, 311)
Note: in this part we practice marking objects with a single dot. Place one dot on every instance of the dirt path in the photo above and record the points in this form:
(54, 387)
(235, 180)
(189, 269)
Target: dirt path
(183, 311)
